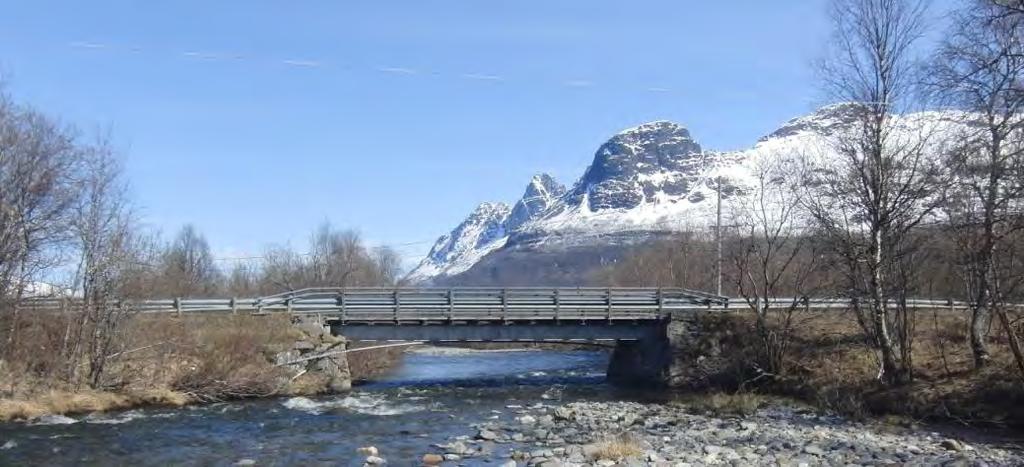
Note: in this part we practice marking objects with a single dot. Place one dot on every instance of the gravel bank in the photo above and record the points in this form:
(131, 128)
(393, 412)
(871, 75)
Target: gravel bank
(634, 434)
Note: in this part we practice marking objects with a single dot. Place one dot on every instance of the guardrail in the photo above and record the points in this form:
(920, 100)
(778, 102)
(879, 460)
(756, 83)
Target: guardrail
(366, 304)
(377, 304)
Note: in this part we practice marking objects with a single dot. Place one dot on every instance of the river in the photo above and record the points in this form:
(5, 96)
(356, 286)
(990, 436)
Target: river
(434, 395)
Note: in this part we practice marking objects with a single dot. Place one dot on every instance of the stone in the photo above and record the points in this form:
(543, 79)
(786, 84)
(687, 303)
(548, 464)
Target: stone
(374, 460)
(432, 459)
(368, 451)
(952, 445)
(509, 463)
(487, 435)
(563, 413)
(526, 420)
(591, 451)
(303, 346)
(241, 462)
(712, 449)
(452, 457)
(542, 453)
(814, 450)
(455, 448)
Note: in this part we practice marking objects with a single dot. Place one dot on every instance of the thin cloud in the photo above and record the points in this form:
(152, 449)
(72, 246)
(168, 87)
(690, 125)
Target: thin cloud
(398, 70)
(482, 77)
(303, 63)
(87, 45)
(578, 83)
(201, 55)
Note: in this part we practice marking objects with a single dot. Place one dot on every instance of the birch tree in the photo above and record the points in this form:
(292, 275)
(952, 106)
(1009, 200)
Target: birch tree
(774, 256)
(881, 185)
(978, 70)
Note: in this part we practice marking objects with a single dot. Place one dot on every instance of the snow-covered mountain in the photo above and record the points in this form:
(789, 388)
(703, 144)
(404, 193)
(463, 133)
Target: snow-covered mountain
(486, 229)
(644, 182)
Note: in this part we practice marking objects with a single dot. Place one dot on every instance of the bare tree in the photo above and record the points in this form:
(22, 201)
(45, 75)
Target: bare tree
(774, 256)
(283, 270)
(387, 265)
(686, 260)
(37, 160)
(337, 257)
(188, 265)
(882, 184)
(104, 234)
(978, 69)
(243, 280)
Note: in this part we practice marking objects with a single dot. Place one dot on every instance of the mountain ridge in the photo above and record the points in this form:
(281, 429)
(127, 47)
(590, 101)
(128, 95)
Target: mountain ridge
(644, 182)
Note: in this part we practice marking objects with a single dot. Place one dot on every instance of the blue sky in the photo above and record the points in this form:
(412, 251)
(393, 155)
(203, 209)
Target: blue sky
(255, 121)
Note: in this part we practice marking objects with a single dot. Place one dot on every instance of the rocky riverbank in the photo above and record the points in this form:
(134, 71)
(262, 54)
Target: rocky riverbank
(199, 359)
(636, 434)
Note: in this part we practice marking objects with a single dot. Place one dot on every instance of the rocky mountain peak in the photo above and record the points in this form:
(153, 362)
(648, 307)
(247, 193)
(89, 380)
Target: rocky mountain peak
(541, 193)
(488, 211)
(823, 121)
(484, 225)
(626, 169)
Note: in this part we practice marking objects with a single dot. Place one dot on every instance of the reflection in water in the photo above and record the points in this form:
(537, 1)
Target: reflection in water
(433, 395)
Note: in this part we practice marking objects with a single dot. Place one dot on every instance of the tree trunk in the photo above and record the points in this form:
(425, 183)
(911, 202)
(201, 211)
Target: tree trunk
(891, 372)
(981, 317)
(1018, 353)
(980, 320)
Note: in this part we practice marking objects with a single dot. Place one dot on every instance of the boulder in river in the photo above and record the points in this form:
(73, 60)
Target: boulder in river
(368, 451)
(432, 459)
(487, 435)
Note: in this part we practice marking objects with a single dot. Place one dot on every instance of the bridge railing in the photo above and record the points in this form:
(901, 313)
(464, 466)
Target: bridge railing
(468, 303)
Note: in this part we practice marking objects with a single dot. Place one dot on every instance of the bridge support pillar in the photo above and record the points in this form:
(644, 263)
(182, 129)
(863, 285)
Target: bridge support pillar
(640, 363)
(685, 352)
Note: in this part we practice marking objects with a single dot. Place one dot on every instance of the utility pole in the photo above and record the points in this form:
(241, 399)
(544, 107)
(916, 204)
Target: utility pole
(718, 236)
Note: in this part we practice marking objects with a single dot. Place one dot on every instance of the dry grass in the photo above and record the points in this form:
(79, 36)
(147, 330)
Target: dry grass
(721, 403)
(231, 357)
(367, 364)
(165, 360)
(617, 448)
(833, 367)
(64, 402)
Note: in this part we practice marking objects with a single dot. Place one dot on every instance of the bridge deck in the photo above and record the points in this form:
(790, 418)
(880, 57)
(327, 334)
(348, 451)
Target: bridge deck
(460, 305)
